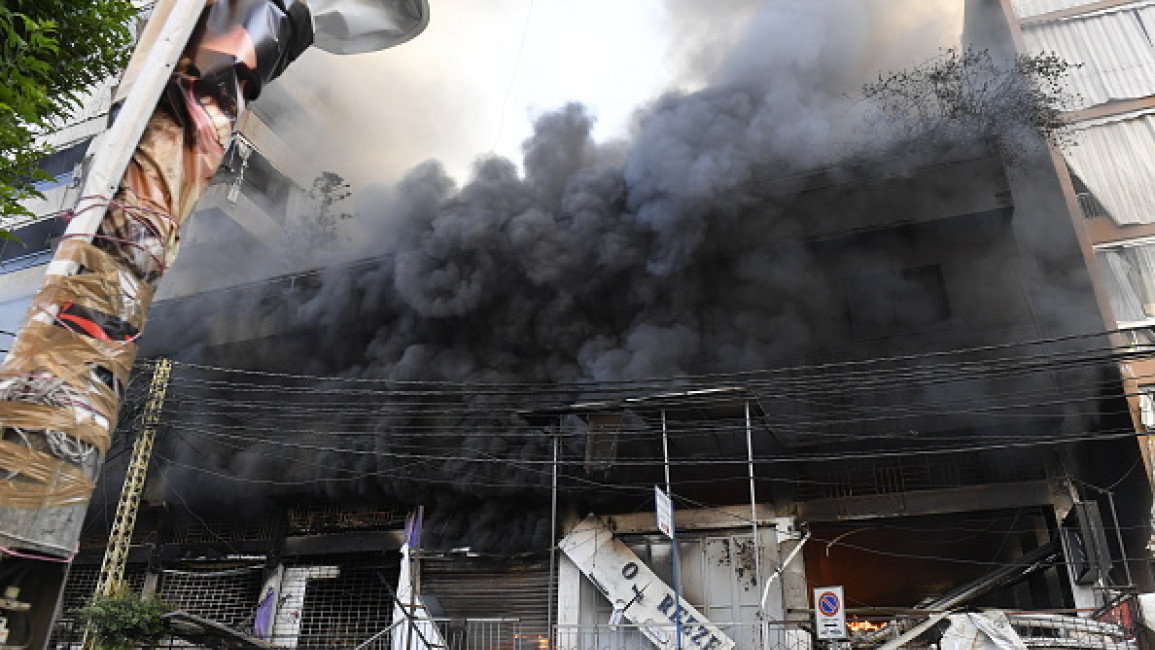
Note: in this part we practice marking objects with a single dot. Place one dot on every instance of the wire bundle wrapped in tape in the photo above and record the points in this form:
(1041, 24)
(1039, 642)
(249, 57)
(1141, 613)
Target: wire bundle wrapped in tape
(61, 385)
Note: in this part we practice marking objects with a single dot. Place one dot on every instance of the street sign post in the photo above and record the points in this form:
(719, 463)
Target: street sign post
(829, 613)
(664, 506)
(665, 511)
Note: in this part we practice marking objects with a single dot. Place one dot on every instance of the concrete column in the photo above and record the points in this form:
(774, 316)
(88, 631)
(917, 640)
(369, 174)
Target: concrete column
(569, 595)
(151, 584)
(291, 601)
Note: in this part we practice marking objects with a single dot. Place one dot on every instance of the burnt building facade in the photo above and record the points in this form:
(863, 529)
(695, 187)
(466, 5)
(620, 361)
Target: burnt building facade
(885, 370)
(948, 432)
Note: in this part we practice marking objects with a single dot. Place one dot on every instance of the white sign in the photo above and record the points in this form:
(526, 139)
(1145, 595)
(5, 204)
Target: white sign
(414, 628)
(636, 592)
(665, 509)
(829, 613)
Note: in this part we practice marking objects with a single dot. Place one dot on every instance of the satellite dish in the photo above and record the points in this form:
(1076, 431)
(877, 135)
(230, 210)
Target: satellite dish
(359, 26)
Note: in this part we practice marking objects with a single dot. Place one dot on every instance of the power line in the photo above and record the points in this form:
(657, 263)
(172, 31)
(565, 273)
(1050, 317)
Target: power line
(513, 76)
(841, 367)
(523, 462)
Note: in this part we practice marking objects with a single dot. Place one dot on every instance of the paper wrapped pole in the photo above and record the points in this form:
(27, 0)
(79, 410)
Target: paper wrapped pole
(61, 385)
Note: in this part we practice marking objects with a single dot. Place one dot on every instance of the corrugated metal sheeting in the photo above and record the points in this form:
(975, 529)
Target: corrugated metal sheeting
(1113, 49)
(482, 588)
(1027, 8)
(1116, 160)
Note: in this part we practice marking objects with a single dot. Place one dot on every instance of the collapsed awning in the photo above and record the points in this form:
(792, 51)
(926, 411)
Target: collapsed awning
(636, 592)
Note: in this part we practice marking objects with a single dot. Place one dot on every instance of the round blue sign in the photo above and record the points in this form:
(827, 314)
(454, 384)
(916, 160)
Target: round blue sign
(828, 604)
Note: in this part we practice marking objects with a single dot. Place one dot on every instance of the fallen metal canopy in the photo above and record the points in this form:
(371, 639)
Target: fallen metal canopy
(636, 592)
(1002, 576)
(210, 634)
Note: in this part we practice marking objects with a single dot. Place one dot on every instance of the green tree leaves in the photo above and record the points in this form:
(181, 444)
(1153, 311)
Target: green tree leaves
(126, 621)
(51, 51)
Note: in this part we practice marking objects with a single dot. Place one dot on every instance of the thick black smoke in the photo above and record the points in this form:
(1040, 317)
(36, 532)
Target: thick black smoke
(598, 262)
(612, 260)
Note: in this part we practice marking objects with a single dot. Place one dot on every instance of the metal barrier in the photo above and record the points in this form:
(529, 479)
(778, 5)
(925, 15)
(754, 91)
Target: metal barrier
(1055, 630)
(773, 635)
(1116, 626)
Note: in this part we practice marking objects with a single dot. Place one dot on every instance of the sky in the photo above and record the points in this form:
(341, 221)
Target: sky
(473, 82)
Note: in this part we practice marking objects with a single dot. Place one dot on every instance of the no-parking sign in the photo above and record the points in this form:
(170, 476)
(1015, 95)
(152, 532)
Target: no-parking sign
(829, 613)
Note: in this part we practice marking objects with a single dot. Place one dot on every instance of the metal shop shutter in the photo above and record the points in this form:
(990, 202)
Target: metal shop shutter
(485, 588)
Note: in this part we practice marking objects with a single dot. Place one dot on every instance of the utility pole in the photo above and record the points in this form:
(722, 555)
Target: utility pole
(195, 68)
(63, 384)
(111, 580)
(673, 537)
(59, 388)
(64, 378)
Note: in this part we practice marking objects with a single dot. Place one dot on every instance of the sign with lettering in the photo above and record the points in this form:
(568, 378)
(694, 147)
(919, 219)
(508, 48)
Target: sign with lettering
(637, 592)
(829, 614)
(665, 508)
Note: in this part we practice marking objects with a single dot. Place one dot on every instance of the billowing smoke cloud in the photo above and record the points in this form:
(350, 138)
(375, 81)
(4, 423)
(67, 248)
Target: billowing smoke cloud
(452, 92)
(592, 264)
(601, 261)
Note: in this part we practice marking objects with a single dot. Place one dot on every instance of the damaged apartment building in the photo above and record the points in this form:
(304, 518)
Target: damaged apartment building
(890, 375)
(986, 472)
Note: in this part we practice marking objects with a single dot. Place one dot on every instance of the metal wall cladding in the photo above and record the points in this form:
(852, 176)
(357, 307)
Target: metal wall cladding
(484, 588)
(1114, 52)
(1115, 158)
(1027, 8)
